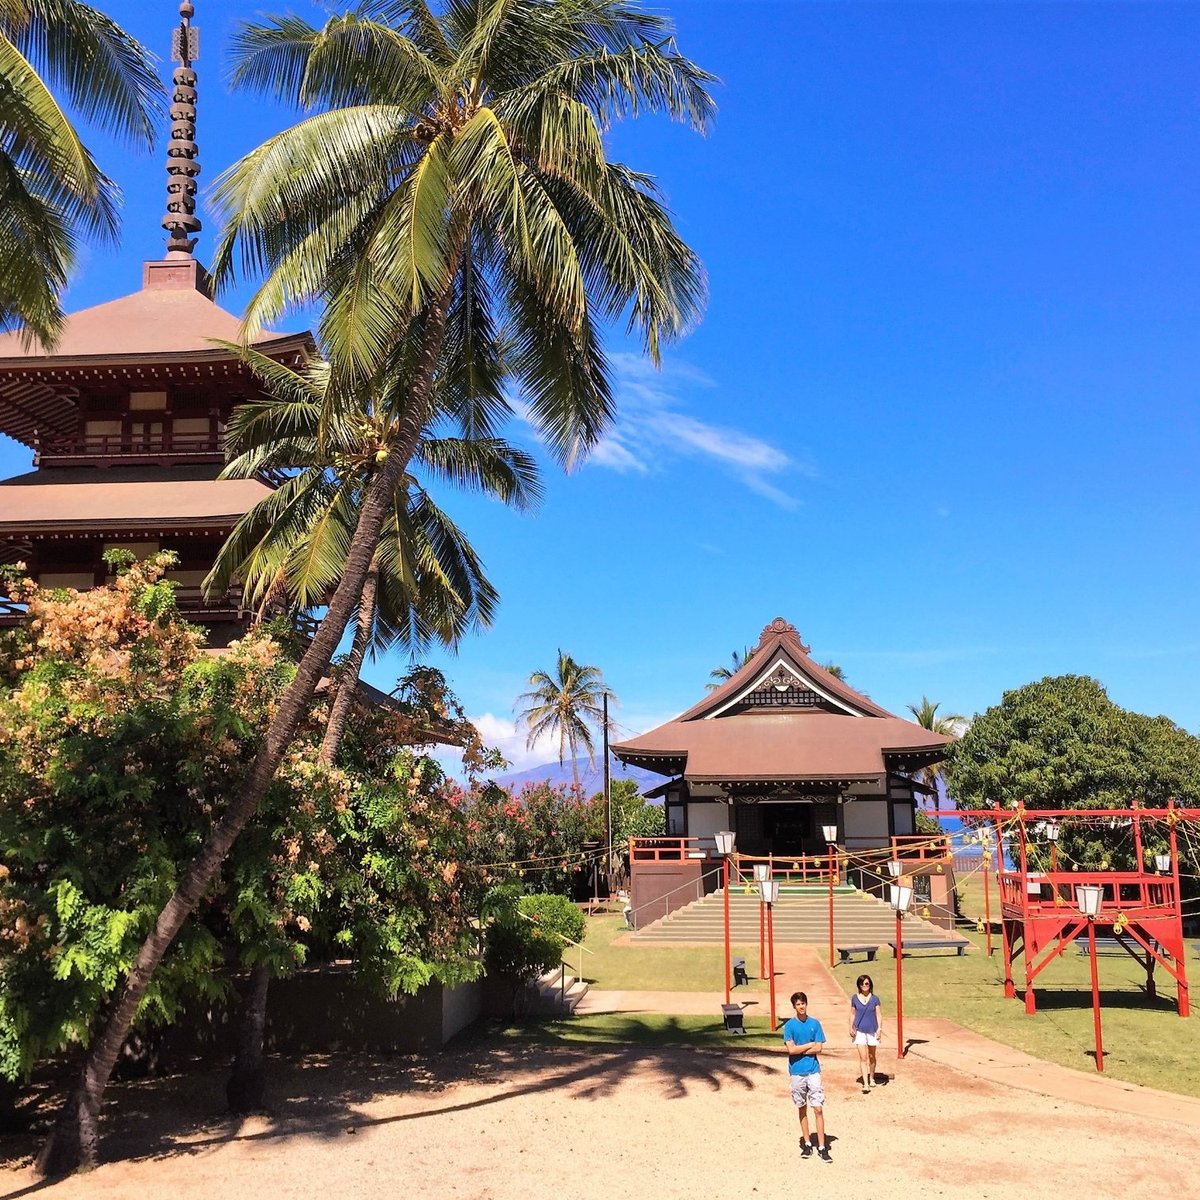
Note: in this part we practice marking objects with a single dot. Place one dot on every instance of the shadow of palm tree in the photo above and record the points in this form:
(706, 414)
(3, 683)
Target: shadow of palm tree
(334, 1096)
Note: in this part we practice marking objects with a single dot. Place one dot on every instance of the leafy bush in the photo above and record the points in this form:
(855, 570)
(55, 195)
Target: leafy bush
(528, 933)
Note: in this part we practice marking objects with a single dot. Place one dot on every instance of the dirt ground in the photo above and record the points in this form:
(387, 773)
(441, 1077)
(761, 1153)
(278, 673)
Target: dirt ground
(478, 1123)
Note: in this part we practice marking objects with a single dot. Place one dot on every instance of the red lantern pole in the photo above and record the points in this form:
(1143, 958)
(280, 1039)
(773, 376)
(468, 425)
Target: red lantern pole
(762, 940)
(1095, 994)
(771, 960)
(725, 862)
(832, 869)
(899, 988)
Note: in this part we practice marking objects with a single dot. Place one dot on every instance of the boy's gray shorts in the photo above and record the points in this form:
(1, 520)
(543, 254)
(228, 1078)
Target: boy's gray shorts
(807, 1089)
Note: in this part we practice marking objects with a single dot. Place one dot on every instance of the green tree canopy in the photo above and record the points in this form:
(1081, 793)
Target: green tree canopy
(1061, 743)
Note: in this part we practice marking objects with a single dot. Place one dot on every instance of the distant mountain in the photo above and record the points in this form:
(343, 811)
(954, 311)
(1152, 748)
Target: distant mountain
(590, 779)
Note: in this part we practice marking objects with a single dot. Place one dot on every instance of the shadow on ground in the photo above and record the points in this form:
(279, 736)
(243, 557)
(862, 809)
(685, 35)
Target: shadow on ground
(329, 1097)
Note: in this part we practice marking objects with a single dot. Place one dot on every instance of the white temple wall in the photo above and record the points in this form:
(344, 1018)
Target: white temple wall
(705, 819)
(866, 823)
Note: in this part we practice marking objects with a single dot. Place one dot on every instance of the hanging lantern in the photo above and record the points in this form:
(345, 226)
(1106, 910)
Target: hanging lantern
(940, 869)
(925, 912)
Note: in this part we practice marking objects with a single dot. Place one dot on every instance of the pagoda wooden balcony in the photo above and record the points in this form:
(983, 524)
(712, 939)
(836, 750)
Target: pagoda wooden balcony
(193, 606)
(113, 449)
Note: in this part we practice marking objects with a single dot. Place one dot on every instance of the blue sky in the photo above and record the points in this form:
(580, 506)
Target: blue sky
(941, 410)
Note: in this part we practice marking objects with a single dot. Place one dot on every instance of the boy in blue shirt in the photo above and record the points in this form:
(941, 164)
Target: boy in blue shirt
(804, 1037)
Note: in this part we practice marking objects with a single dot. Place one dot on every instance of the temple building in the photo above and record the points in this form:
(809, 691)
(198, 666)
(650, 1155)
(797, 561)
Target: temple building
(782, 750)
(126, 414)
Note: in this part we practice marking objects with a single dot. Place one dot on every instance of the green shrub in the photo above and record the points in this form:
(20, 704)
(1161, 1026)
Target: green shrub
(528, 933)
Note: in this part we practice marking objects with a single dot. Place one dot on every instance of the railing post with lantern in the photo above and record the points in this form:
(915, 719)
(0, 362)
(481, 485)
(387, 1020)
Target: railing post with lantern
(762, 872)
(768, 890)
(901, 898)
(1088, 896)
(830, 834)
(725, 841)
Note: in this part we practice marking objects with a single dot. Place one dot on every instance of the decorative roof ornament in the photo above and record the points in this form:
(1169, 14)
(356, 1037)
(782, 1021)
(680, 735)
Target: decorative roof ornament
(779, 625)
(181, 222)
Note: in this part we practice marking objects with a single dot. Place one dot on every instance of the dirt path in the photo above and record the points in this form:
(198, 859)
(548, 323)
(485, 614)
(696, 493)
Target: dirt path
(505, 1123)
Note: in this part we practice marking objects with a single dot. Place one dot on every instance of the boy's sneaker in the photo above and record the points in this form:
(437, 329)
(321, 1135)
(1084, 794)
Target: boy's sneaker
(805, 1150)
(823, 1154)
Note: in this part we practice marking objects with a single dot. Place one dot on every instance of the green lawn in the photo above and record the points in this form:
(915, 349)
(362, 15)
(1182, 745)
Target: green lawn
(1146, 1042)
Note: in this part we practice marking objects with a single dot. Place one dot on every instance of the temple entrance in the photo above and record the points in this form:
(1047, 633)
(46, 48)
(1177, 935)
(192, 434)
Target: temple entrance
(783, 828)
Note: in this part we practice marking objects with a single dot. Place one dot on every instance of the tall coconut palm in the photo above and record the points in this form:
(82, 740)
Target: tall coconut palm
(426, 582)
(948, 724)
(737, 661)
(52, 193)
(565, 705)
(454, 184)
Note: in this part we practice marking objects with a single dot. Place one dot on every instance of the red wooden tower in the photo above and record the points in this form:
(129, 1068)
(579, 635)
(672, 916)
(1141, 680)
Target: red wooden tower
(1040, 915)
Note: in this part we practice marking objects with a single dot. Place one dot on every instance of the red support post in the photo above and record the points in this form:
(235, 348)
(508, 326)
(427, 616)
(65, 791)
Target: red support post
(771, 960)
(1095, 994)
(762, 940)
(1010, 990)
(1137, 840)
(832, 869)
(725, 863)
(899, 988)
(1183, 1004)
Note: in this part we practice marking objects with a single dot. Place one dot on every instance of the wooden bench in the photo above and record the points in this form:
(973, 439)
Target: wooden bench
(846, 951)
(958, 945)
(1114, 945)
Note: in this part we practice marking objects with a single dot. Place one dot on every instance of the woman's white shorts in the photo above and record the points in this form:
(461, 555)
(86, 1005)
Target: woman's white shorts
(866, 1039)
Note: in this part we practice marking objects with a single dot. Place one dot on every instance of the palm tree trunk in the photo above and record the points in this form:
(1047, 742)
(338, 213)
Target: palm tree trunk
(74, 1141)
(348, 679)
(244, 1091)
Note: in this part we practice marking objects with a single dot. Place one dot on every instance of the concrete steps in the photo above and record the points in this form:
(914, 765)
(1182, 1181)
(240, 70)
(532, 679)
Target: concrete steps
(556, 993)
(800, 917)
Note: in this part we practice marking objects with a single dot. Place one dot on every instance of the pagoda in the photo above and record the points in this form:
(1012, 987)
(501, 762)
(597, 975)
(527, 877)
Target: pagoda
(126, 415)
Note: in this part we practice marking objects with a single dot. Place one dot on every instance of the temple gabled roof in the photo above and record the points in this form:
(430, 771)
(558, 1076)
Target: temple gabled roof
(783, 720)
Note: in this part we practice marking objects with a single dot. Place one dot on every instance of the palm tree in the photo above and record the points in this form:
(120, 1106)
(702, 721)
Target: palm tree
(948, 724)
(52, 193)
(454, 184)
(426, 583)
(736, 663)
(567, 705)
(834, 669)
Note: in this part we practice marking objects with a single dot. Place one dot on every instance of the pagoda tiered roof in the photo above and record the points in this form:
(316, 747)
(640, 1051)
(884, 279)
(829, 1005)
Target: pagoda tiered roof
(165, 332)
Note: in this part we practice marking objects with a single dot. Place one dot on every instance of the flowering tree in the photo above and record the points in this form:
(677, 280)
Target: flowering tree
(123, 742)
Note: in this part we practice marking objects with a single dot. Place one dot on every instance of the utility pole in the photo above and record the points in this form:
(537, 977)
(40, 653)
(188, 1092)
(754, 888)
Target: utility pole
(607, 796)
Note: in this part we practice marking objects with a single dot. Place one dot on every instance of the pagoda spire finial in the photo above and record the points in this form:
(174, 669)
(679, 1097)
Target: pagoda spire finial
(181, 222)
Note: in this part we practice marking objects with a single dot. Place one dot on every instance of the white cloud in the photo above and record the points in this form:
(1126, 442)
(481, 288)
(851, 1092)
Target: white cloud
(650, 432)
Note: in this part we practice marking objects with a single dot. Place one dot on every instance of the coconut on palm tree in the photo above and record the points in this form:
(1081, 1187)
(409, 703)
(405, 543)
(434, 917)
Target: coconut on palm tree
(567, 706)
(52, 193)
(452, 183)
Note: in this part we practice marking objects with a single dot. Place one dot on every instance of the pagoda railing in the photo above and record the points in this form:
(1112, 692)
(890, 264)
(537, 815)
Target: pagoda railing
(89, 447)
